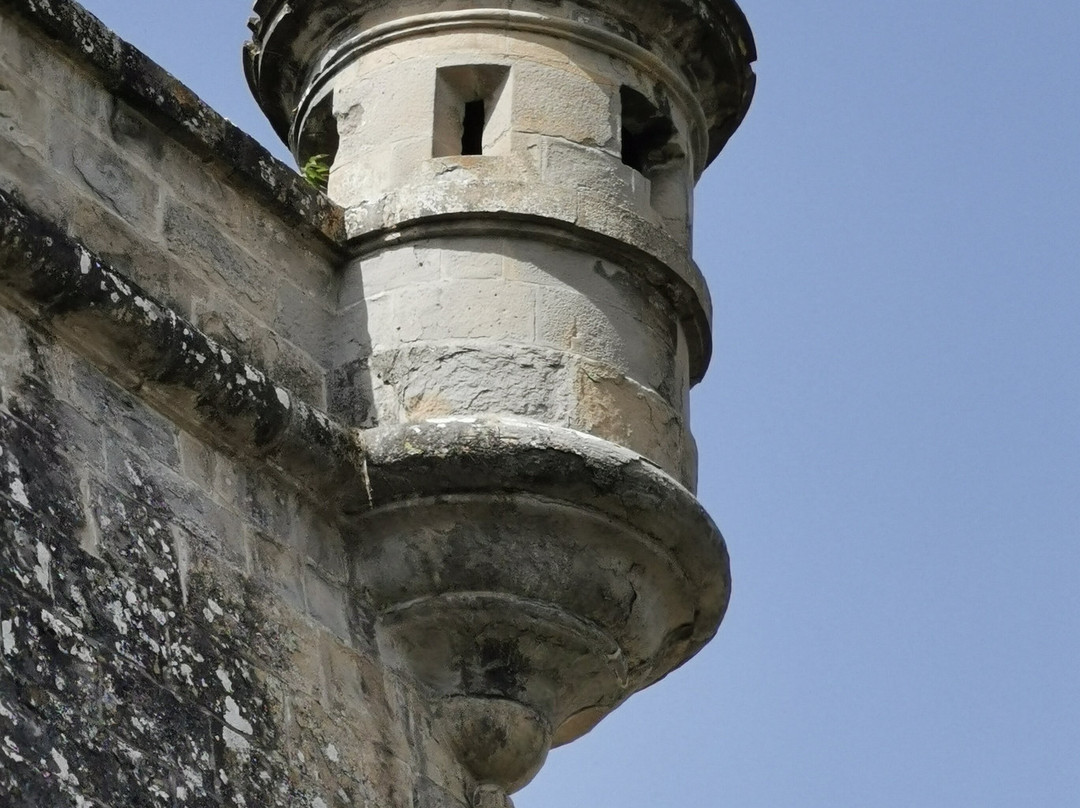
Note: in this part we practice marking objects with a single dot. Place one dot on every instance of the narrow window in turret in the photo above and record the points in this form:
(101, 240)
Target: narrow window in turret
(318, 146)
(472, 135)
(472, 111)
(648, 135)
(652, 146)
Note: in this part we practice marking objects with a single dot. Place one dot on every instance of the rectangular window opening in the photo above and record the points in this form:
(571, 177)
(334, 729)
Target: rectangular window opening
(651, 145)
(472, 111)
(649, 138)
(472, 127)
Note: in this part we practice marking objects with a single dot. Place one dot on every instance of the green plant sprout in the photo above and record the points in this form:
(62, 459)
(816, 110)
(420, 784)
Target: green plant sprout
(316, 171)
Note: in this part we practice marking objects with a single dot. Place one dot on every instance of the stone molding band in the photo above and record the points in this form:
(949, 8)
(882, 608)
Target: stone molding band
(503, 20)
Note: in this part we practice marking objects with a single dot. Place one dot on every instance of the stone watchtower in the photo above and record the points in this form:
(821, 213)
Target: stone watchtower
(368, 500)
(521, 324)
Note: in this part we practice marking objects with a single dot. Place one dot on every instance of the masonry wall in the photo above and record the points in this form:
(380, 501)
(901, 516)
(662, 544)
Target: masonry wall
(175, 628)
(153, 191)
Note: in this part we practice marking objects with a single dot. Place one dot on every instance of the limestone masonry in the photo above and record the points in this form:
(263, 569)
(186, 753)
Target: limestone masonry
(362, 502)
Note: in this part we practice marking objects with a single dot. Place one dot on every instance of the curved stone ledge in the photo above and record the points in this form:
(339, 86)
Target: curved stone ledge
(455, 456)
(534, 567)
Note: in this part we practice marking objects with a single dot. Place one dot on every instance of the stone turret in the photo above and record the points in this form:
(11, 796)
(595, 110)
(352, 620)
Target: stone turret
(522, 322)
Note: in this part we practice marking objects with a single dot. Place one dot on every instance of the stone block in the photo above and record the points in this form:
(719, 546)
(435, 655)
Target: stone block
(605, 282)
(129, 421)
(280, 251)
(350, 397)
(72, 89)
(211, 528)
(326, 603)
(363, 174)
(129, 252)
(357, 687)
(278, 567)
(618, 409)
(386, 270)
(431, 381)
(277, 249)
(24, 175)
(268, 505)
(588, 167)
(34, 474)
(250, 777)
(198, 242)
(305, 320)
(236, 328)
(386, 104)
(105, 174)
(16, 360)
(134, 135)
(466, 309)
(318, 541)
(568, 321)
(540, 93)
(430, 793)
(24, 116)
(288, 648)
(472, 258)
(216, 474)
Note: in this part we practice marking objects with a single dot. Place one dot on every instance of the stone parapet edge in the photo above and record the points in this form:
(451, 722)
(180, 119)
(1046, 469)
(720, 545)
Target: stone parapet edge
(133, 77)
(503, 21)
(61, 287)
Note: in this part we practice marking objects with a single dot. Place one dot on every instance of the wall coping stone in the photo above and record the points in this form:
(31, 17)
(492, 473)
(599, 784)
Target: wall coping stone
(133, 77)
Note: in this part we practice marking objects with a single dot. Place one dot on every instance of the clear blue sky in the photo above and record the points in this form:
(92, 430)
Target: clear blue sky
(890, 430)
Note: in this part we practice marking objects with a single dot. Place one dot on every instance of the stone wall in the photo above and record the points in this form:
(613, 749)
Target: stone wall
(175, 630)
(175, 624)
(130, 161)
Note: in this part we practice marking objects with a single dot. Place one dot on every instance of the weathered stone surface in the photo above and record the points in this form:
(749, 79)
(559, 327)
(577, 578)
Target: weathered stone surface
(520, 328)
(215, 593)
(128, 74)
(113, 150)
